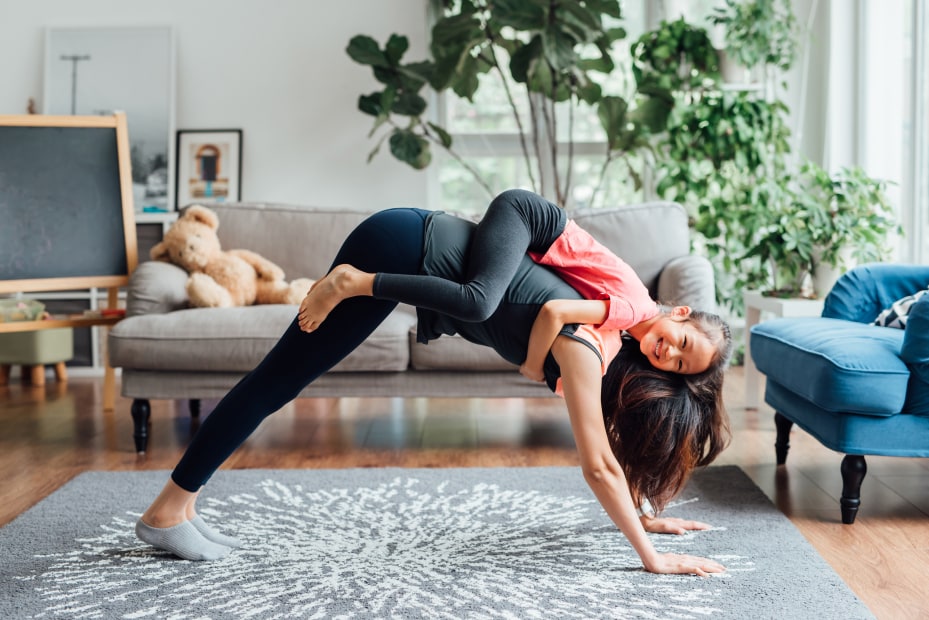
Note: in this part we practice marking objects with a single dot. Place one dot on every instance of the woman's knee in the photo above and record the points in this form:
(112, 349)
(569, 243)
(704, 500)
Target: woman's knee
(479, 311)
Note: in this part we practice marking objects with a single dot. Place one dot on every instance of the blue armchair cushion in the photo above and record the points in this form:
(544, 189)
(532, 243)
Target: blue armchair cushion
(841, 366)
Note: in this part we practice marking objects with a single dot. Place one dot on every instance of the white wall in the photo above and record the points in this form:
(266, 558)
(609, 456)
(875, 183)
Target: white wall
(277, 69)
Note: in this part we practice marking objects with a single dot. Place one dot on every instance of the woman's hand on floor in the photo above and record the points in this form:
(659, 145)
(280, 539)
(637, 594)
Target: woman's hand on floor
(677, 564)
(672, 525)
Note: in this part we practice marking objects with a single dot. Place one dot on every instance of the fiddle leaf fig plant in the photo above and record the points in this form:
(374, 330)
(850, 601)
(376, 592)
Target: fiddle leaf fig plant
(545, 51)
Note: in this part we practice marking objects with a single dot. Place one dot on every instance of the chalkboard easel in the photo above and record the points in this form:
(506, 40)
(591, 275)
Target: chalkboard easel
(66, 214)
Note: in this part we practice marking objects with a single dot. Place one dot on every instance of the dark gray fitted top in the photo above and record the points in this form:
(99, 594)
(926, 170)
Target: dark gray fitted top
(446, 244)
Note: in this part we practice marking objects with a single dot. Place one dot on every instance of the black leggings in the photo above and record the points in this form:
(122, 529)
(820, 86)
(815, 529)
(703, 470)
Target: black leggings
(390, 240)
(516, 221)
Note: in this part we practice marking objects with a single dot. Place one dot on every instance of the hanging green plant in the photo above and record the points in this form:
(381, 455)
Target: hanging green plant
(675, 56)
(759, 32)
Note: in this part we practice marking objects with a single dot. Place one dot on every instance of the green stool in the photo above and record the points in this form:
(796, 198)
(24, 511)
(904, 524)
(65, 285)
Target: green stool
(34, 350)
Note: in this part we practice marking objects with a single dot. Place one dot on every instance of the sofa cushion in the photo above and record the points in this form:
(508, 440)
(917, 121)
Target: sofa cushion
(455, 353)
(839, 365)
(302, 241)
(236, 340)
(631, 233)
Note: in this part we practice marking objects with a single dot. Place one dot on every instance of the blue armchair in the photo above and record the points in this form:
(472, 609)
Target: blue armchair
(858, 388)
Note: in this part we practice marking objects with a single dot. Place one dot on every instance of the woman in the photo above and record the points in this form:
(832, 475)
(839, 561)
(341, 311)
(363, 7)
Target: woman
(519, 222)
(413, 241)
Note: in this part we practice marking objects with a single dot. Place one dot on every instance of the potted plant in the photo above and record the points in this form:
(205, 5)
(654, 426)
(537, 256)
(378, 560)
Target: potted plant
(758, 32)
(851, 220)
(721, 158)
(675, 56)
(823, 225)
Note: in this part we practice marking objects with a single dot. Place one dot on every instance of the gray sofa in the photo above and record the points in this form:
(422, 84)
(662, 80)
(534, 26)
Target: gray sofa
(167, 350)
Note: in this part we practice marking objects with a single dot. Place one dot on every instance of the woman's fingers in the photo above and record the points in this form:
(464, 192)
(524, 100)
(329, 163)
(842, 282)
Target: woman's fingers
(688, 564)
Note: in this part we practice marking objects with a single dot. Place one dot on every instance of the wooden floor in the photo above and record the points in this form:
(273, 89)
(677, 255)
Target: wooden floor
(48, 435)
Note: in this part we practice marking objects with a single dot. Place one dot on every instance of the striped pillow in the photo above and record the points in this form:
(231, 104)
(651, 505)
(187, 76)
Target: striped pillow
(895, 315)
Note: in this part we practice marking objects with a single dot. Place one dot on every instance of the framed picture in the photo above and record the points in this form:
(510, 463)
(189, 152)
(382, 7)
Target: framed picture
(209, 166)
(97, 71)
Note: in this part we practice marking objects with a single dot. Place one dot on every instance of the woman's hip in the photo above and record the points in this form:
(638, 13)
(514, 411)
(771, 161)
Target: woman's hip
(389, 241)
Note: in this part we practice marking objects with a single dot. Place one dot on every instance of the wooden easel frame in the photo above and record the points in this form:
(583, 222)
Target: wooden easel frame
(110, 282)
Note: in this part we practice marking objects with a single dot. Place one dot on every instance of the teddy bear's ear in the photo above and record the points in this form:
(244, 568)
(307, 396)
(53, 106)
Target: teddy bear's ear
(200, 214)
(160, 252)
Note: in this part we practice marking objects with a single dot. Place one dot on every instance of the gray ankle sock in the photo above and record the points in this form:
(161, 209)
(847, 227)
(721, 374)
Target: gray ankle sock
(183, 540)
(214, 536)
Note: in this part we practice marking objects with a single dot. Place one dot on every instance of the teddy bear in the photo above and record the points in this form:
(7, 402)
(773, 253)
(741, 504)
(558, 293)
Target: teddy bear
(223, 279)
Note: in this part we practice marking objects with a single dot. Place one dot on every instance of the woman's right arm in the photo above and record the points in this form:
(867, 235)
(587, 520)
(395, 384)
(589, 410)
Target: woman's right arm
(554, 315)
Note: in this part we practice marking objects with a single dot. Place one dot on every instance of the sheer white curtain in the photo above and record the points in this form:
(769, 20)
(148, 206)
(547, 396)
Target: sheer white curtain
(855, 99)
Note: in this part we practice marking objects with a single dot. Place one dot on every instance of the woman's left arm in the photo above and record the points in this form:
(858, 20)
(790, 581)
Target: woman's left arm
(580, 376)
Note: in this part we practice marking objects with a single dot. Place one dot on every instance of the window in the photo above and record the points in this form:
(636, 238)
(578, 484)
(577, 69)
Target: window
(894, 115)
(916, 133)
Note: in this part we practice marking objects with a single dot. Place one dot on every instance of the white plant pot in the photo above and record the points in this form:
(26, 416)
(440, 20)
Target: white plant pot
(825, 275)
(731, 71)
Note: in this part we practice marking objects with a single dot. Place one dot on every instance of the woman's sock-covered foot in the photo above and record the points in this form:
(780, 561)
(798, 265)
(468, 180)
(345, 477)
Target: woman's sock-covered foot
(212, 535)
(183, 540)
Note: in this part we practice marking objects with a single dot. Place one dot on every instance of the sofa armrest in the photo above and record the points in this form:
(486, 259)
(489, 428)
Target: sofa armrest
(688, 281)
(156, 288)
(863, 292)
(915, 351)
(915, 354)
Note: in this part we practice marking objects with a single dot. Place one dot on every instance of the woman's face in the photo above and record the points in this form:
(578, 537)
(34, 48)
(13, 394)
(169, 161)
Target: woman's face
(675, 344)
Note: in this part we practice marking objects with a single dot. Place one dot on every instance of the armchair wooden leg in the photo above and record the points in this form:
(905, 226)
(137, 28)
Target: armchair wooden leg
(782, 443)
(4, 374)
(854, 469)
(141, 414)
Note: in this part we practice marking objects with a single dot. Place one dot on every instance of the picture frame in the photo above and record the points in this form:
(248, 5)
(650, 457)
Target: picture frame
(97, 71)
(209, 166)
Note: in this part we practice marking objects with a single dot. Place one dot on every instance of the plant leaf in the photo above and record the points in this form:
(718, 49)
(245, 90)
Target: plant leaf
(612, 114)
(370, 104)
(408, 104)
(444, 137)
(395, 49)
(406, 146)
(365, 50)
(519, 15)
(522, 59)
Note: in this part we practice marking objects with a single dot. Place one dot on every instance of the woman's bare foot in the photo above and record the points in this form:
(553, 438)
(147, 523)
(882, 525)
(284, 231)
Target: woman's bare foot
(342, 282)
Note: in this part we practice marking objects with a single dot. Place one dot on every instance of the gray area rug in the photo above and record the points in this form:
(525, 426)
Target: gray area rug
(409, 543)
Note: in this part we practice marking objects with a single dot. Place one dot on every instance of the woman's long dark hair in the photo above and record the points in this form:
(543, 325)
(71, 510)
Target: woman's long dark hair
(661, 425)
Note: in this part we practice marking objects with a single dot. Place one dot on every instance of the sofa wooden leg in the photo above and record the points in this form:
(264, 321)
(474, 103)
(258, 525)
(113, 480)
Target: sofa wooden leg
(854, 469)
(141, 414)
(194, 405)
(37, 374)
(782, 443)
(61, 372)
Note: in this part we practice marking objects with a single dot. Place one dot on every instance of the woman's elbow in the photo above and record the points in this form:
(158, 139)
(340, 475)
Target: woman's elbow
(600, 474)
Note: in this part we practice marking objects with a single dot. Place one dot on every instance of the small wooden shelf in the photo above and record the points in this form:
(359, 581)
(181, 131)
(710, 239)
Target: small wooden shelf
(28, 326)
